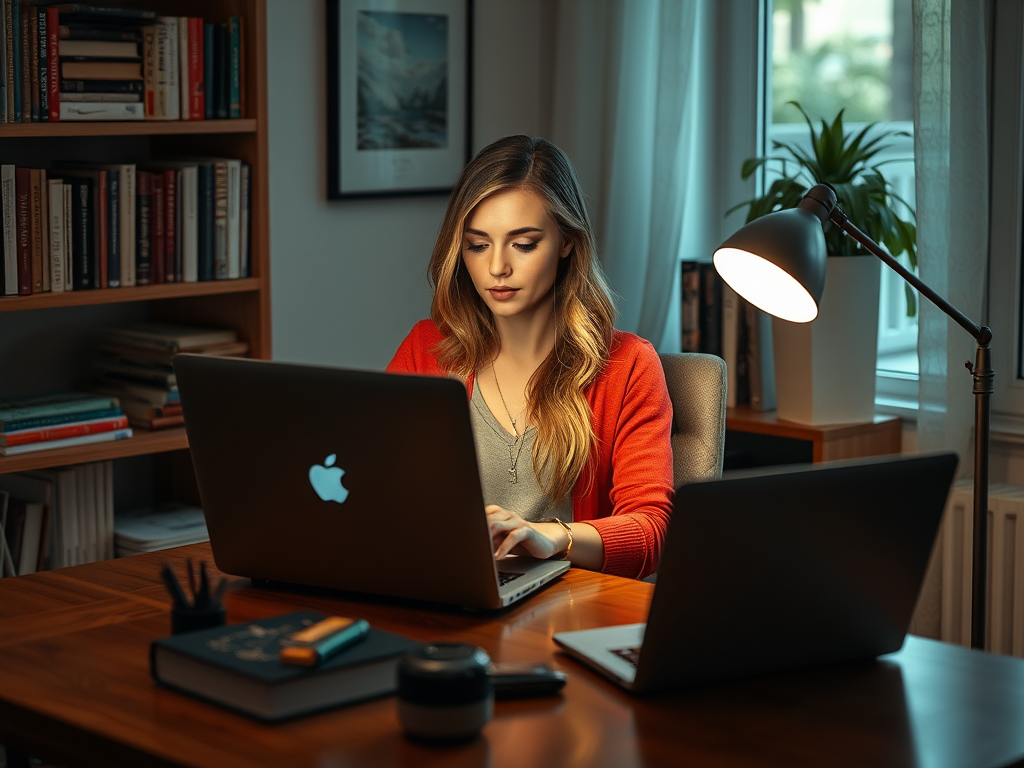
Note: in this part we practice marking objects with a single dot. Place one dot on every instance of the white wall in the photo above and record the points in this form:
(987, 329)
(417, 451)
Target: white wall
(349, 277)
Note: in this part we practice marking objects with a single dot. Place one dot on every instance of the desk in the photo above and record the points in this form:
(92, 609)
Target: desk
(75, 687)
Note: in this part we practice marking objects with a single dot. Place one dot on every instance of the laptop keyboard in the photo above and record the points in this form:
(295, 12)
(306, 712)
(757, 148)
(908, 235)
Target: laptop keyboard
(631, 654)
(504, 577)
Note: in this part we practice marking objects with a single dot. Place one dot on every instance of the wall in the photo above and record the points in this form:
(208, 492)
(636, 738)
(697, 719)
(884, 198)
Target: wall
(349, 277)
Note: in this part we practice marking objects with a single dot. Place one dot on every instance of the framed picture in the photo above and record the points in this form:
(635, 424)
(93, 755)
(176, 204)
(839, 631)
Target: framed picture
(398, 83)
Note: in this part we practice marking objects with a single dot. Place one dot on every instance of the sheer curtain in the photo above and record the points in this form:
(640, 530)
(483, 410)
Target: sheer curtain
(951, 54)
(632, 108)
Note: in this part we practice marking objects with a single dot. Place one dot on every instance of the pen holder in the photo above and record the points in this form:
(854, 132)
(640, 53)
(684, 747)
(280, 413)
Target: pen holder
(444, 692)
(189, 619)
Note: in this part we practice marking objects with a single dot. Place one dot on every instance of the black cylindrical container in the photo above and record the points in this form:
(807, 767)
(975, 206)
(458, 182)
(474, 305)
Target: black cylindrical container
(444, 691)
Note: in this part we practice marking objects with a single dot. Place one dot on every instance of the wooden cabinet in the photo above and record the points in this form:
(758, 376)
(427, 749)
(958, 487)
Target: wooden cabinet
(46, 338)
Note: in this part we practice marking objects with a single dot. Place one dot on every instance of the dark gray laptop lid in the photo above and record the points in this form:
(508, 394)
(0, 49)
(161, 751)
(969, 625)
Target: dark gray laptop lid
(800, 567)
(411, 525)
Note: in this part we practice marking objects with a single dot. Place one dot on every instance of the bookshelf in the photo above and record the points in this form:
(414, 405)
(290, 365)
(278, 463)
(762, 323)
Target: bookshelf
(30, 326)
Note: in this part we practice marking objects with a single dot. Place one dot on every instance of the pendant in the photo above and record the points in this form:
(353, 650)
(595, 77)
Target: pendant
(513, 476)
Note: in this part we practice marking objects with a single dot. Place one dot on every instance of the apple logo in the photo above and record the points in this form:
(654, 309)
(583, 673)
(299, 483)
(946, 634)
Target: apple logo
(326, 480)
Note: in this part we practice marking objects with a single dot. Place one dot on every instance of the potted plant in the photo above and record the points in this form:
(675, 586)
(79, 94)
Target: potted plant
(825, 369)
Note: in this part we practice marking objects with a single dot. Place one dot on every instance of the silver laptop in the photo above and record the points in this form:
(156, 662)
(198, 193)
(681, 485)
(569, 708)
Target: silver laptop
(770, 573)
(366, 482)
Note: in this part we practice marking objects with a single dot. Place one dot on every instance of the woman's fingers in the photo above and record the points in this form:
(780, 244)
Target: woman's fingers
(515, 537)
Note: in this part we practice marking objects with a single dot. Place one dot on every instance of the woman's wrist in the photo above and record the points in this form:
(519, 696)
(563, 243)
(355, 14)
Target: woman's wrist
(564, 541)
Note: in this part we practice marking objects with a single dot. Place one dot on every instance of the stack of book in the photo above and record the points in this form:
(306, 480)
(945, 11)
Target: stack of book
(23, 525)
(59, 421)
(108, 226)
(154, 529)
(135, 367)
(71, 61)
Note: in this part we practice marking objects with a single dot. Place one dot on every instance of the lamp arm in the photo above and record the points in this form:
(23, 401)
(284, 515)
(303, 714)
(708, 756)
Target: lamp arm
(981, 334)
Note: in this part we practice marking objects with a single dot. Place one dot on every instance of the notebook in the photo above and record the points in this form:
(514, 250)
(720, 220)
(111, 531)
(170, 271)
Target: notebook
(765, 573)
(352, 480)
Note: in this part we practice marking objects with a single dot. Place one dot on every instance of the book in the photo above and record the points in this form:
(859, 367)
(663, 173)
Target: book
(233, 218)
(101, 437)
(10, 57)
(35, 202)
(204, 225)
(237, 667)
(32, 19)
(690, 306)
(152, 529)
(141, 372)
(95, 14)
(711, 310)
(73, 429)
(234, 68)
(30, 499)
(222, 52)
(196, 68)
(64, 418)
(169, 337)
(85, 483)
(101, 86)
(209, 73)
(220, 220)
(42, 66)
(171, 258)
(26, 64)
(149, 71)
(731, 314)
(125, 390)
(23, 186)
(143, 235)
(157, 251)
(166, 356)
(166, 68)
(68, 243)
(14, 38)
(8, 192)
(101, 98)
(99, 110)
(184, 88)
(52, 65)
(3, 69)
(55, 190)
(53, 404)
(760, 359)
(82, 254)
(144, 414)
(108, 49)
(243, 221)
(113, 32)
(64, 541)
(100, 70)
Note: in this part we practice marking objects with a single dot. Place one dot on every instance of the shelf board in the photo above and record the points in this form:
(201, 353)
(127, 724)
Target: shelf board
(126, 128)
(136, 293)
(142, 442)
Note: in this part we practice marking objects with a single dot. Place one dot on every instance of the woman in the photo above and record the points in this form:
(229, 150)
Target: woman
(571, 417)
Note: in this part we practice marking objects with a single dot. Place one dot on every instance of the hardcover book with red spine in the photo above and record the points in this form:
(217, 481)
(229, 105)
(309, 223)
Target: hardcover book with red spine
(24, 437)
(53, 63)
(197, 96)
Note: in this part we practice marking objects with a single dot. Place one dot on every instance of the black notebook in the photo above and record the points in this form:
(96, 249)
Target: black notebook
(237, 667)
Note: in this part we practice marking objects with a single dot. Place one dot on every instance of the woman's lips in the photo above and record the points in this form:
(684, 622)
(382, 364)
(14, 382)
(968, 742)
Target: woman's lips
(503, 293)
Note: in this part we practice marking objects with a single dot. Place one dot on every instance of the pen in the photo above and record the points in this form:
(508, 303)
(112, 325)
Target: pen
(171, 582)
(191, 577)
(324, 639)
(202, 600)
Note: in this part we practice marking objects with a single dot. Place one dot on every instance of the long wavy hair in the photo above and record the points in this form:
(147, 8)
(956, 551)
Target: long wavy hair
(583, 313)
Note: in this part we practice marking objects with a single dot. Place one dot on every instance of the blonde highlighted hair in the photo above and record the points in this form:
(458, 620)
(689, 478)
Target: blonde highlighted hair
(583, 311)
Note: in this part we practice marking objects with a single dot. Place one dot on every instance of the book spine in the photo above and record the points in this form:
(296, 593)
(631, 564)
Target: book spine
(149, 71)
(35, 201)
(99, 110)
(99, 231)
(14, 46)
(114, 228)
(64, 418)
(52, 65)
(234, 221)
(69, 280)
(4, 11)
(184, 91)
(102, 86)
(8, 34)
(156, 226)
(170, 224)
(197, 106)
(164, 422)
(68, 442)
(730, 338)
(45, 434)
(234, 68)
(190, 224)
(44, 230)
(98, 32)
(10, 229)
(690, 293)
(43, 65)
(23, 184)
(127, 204)
(241, 66)
(32, 17)
(143, 265)
(79, 406)
(84, 257)
(209, 74)
(220, 220)
(243, 226)
(179, 231)
(711, 310)
(168, 88)
(24, 63)
(55, 188)
(223, 52)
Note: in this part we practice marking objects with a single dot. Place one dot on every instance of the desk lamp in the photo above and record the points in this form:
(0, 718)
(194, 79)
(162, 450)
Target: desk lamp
(777, 263)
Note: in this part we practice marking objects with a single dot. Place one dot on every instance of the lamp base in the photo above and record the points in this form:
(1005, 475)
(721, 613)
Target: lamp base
(825, 369)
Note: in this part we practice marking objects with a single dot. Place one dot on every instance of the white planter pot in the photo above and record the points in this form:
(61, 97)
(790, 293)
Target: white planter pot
(825, 369)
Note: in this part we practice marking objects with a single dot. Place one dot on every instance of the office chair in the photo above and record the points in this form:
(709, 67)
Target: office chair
(696, 386)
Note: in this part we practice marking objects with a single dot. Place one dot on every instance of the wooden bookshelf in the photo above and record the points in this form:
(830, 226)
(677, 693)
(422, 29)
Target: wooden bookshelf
(242, 304)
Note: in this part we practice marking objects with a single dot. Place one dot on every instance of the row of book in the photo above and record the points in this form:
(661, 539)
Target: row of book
(92, 226)
(70, 61)
(61, 420)
(134, 365)
(716, 321)
(53, 518)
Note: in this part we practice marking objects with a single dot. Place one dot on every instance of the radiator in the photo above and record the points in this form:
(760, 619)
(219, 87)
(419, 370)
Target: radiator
(1004, 618)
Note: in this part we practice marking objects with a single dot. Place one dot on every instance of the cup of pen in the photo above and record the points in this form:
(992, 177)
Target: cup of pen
(204, 610)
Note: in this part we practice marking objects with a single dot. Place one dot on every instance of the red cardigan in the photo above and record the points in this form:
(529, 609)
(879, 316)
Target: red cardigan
(627, 497)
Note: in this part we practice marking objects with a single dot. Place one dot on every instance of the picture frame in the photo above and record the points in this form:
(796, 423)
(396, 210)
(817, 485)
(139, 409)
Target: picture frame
(398, 96)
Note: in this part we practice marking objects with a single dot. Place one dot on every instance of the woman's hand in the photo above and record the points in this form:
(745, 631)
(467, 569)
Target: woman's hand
(510, 534)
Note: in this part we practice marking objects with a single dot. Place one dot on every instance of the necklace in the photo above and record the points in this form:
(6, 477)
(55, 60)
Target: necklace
(515, 448)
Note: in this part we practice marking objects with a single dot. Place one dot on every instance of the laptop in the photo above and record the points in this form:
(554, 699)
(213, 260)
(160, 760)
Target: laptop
(766, 573)
(352, 480)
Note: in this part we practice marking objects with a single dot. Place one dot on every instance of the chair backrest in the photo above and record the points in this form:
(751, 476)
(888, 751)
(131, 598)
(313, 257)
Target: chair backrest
(697, 387)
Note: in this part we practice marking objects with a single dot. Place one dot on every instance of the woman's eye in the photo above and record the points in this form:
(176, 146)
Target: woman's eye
(525, 247)
(475, 247)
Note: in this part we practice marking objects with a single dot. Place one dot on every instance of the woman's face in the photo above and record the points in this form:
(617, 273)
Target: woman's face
(511, 247)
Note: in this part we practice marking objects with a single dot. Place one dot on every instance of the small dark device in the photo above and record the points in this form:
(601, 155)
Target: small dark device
(520, 680)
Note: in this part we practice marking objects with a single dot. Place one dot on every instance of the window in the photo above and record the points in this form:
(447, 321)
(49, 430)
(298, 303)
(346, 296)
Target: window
(854, 55)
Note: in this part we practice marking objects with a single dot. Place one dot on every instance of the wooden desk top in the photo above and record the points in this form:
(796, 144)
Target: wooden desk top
(75, 687)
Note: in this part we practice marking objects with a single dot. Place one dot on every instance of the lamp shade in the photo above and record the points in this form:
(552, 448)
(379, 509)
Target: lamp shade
(777, 263)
